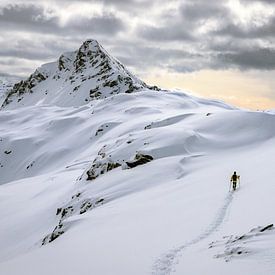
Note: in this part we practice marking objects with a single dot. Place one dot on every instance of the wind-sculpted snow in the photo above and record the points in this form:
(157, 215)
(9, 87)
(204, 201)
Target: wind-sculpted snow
(167, 122)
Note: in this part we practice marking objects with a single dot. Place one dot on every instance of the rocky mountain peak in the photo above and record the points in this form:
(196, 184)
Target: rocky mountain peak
(74, 61)
(90, 46)
(75, 78)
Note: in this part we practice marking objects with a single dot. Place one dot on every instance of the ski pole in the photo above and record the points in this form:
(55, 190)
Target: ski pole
(229, 186)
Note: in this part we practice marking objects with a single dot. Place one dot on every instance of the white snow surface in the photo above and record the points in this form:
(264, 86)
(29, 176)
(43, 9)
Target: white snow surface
(174, 214)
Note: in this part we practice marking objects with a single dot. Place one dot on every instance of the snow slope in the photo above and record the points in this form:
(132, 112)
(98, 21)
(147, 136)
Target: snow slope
(157, 201)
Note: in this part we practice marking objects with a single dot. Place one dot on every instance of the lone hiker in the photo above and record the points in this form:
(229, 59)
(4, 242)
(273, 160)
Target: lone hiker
(234, 179)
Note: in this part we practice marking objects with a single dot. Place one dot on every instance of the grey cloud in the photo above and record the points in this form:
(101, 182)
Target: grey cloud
(166, 33)
(132, 8)
(36, 19)
(261, 59)
(31, 53)
(252, 31)
(17, 67)
(182, 24)
(105, 23)
(202, 10)
(124, 4)
(127, 3)
(5, 75)
(8, 61)
(226, 56)
(145, 55)
(259, 1)
(17, 53)
(170, 40)
(140, 57)
(43, 48)
(27, 17)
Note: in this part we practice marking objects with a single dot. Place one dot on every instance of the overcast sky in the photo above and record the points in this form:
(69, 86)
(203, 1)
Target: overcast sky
(223, 49)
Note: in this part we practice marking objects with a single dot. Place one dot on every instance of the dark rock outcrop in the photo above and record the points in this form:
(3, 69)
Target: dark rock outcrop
(140, 159)
(57, 232)
(25, 86)
(100, 168)
(76, 206)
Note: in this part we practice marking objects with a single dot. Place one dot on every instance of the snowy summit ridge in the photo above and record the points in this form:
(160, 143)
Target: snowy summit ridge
(75, 79)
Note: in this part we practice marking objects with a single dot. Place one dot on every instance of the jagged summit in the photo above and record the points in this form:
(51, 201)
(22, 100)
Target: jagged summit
(75, 79)
(87, 56)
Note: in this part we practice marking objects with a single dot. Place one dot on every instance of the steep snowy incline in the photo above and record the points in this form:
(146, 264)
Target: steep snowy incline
(75, 79)
(112, 187)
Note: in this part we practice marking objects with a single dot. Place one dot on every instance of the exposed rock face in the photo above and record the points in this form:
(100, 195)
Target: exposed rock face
(6, 84)
(76, 78)
(25, 86)
(100, 167)
(268, 227)
(140, 159)
(105, 162)
(238, 246)
(57, 232)
(76, 206)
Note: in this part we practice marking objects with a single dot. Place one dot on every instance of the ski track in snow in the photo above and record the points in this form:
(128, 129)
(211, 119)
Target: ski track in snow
(165, 264)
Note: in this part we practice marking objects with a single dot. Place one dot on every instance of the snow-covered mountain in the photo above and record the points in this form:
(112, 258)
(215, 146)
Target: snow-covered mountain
(130, 183)
(75, 79)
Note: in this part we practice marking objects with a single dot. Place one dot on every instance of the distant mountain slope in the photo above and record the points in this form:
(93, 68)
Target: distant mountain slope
(75, 79)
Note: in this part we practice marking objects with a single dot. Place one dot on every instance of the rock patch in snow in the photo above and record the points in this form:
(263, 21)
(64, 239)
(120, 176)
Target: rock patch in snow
(236, 246)
(77, 206)
(140, 159)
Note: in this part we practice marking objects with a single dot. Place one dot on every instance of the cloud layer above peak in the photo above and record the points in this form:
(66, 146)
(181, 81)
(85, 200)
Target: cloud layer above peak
(176, 35)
